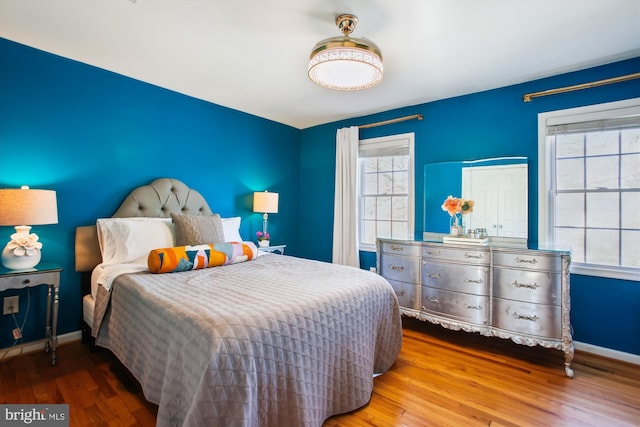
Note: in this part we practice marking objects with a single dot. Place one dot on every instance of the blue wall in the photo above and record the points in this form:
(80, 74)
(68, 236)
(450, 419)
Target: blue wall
(93, 136)
(487, 124)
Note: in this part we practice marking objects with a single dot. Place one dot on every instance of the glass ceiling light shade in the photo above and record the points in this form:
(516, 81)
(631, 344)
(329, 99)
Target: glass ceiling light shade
(346, 63)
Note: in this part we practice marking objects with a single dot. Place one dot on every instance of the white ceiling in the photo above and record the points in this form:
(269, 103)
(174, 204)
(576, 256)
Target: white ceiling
(251, 55)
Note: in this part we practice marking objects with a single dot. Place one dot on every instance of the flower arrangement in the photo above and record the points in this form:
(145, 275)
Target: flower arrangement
(24, 244)
(262, 236)
(457, 205)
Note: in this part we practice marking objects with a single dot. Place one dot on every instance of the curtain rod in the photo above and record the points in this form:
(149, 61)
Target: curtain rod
(388, 122)
(527, 97)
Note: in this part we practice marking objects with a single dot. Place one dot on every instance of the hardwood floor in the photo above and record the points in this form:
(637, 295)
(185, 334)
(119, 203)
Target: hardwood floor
(449, 378)
(441, 378)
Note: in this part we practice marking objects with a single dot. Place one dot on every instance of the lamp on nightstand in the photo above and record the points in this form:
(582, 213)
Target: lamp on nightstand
(266, 203)
(20, 206)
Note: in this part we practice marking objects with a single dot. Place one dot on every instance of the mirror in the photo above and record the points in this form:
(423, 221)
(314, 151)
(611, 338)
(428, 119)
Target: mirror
(498, 188)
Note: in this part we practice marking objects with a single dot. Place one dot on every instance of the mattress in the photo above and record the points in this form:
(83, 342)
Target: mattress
(88, 305)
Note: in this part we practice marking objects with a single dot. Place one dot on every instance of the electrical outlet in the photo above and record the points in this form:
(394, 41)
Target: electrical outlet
(10, 305)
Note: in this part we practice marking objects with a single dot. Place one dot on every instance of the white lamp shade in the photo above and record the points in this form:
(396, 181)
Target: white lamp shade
(265, 202)
(346, 68)
(346, 63)
(24, 206)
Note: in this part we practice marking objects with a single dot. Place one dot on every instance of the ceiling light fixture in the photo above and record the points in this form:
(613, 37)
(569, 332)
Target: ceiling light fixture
(345, 63)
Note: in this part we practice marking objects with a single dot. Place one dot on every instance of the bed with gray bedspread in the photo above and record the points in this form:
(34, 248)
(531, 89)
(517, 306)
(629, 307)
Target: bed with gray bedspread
(278, 341)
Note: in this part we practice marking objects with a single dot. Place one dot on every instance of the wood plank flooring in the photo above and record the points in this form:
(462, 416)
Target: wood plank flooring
(441, 378)
(449, 378)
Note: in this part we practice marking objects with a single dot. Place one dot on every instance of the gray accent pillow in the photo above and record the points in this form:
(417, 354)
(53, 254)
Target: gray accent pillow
(197, 229)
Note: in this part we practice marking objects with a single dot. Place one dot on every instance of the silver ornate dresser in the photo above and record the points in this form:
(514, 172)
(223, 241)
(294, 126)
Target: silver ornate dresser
(508, 292)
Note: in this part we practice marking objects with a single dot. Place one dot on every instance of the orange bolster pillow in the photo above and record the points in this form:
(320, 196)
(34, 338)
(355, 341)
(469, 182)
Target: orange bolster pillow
(184, 258)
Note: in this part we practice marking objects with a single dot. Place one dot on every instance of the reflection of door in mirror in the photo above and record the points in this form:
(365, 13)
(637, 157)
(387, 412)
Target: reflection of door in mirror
(503, 210)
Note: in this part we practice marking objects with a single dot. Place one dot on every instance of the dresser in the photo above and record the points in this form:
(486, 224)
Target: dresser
(512, 293)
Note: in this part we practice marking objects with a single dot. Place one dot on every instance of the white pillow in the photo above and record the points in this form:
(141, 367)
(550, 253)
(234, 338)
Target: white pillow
(125, 240)
(231, 229)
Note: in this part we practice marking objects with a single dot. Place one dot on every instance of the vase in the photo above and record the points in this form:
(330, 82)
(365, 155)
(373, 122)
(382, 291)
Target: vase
(455, 229)
(23, 262)
(263, 243)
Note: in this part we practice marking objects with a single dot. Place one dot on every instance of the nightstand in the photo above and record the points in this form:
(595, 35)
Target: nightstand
(277, 249)
(45, 273)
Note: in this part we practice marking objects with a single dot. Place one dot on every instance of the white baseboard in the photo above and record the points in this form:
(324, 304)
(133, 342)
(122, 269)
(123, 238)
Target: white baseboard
(32, 347)
(607, 352)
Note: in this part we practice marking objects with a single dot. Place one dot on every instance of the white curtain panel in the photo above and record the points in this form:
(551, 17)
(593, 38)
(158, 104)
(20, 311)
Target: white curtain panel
(345, 215)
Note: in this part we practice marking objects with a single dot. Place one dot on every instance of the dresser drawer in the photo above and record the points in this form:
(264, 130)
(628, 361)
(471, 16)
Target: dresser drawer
(456, 305)
(28, 280)
(467, 256)
(403, 269)
(407, 294)
(530, 286)
(470, 279)
(526, 318)
(530, 261)
(401, 249)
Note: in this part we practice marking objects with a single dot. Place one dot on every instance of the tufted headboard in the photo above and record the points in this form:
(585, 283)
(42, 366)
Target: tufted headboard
(155, 200)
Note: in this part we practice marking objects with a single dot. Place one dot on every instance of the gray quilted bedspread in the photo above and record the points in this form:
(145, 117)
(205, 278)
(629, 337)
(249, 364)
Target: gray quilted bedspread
(279, 341)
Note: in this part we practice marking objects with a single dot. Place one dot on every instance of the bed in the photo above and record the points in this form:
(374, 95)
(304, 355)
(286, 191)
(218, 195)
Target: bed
(270, 340)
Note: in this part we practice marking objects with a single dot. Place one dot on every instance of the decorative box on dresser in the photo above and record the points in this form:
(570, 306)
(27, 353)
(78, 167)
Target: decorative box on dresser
(509, 292)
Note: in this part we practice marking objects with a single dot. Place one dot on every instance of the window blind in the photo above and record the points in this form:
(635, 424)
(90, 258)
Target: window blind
(398, 147)
(617, 123)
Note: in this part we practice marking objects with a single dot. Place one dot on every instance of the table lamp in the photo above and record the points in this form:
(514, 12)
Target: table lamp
(25, 206)
(266, 203)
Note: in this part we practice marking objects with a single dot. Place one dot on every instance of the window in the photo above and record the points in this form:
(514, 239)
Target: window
(590, 187)
(386, 182)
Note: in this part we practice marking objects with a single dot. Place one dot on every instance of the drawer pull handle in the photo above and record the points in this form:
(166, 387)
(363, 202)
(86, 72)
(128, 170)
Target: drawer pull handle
(26, 281)
(476, 256)
(397, 248)
(432, 275)
(397, 267)
(474, 307)
(400, 293)
(433, 300)
(433, 252)
(525, 317)
(527, 261)
(479, 281)
(517, 284)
